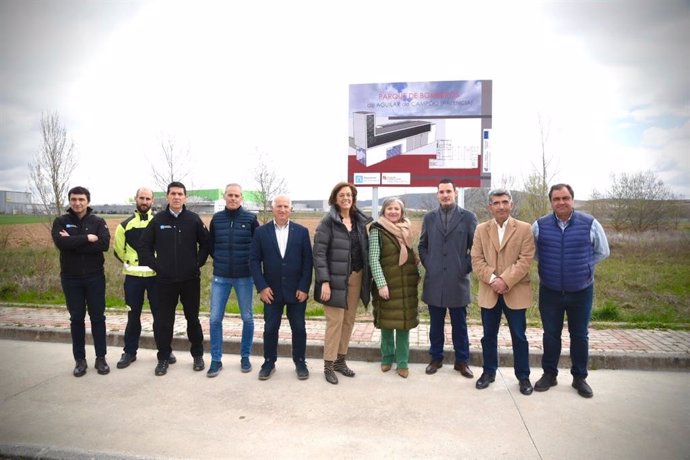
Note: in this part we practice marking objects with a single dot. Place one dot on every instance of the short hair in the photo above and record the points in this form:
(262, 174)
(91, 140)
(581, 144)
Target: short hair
(79, 190)
(560, 187)
(393, 199)
(446, 181)
(334, 194)
(499, 192)
(233, 184)
(273, 201)
(176, 184)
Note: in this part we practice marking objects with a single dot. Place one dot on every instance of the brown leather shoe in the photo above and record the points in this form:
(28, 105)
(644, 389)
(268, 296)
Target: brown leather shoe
(385, 367)
(433, 366)
(464, 370)
(403, 372)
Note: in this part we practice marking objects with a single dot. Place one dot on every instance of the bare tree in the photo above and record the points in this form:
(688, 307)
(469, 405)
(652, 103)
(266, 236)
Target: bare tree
(536, 202)
(175, 165)
(639, 201)
(596, 205)
(52, 167)
(269, 183)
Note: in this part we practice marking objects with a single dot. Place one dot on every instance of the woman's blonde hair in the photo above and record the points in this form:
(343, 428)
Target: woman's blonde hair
(394, 199)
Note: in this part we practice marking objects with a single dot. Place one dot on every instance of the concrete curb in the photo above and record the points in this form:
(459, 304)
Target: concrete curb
(371, 352)
(20, 451)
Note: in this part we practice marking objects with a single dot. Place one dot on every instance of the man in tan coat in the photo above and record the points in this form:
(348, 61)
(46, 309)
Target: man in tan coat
(502, 255)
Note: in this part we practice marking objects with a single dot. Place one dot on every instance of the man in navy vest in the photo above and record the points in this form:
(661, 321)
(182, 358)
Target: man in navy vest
(232, 230)
(569, 244)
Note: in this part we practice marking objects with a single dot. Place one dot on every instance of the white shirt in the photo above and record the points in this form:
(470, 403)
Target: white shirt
(501, 232)
(282, 236)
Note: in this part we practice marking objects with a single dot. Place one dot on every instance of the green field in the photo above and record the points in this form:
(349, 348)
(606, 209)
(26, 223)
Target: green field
(12, 219)
(645, 283)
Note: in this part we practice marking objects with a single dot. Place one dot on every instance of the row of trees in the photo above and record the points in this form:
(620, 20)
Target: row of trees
(637, 201)
(51, 169)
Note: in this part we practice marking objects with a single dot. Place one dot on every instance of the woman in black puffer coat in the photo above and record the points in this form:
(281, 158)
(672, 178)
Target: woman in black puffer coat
(341, 267)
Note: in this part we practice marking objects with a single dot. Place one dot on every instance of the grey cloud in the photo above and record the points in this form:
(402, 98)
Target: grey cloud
(42, 45)
(646, 40)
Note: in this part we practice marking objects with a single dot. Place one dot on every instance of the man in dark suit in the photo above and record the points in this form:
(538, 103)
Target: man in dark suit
(281, 266)
(444, 248)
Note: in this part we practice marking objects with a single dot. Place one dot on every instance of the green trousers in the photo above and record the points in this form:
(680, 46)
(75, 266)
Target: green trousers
(395, 348)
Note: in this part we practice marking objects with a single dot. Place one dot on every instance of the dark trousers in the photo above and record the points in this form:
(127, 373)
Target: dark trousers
(517, 323)
(553, 305)
(135, 288)
(82, 295)
(272, 317)
(188, 293)
(458, 322)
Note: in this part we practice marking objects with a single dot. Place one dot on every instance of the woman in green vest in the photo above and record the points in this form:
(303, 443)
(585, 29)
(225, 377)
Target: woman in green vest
(394, 291)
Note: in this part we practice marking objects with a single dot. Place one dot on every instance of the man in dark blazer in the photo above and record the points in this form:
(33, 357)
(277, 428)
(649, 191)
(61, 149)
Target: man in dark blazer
(281, 265)
(444, 248)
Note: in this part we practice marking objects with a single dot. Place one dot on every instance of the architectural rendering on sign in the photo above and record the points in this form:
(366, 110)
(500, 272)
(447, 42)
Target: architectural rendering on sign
(415, 134)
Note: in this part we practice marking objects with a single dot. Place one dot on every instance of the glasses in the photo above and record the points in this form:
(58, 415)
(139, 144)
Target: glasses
(344, 195)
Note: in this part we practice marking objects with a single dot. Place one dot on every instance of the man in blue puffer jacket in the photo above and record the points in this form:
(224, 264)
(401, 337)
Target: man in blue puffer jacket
(232, 230)
(569, 244)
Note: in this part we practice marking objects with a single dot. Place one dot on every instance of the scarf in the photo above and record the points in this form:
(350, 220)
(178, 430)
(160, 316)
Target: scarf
(401, 231)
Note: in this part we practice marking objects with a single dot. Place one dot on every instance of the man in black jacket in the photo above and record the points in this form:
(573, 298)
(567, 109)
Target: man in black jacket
(82, 238)
(175, 246)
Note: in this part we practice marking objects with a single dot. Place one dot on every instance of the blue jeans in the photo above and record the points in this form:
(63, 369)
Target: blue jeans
(135, 288)
(517, 323)
(272, 317)
(220, 292)
(458, 322)
(82, 295)
(553, 305)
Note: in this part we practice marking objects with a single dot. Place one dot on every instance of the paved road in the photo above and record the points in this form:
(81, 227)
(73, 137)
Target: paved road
(47, 413)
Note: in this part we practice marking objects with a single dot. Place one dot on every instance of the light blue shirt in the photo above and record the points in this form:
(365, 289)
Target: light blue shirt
(600, 244)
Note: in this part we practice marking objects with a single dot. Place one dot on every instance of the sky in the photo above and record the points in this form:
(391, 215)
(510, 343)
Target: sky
(230, 82)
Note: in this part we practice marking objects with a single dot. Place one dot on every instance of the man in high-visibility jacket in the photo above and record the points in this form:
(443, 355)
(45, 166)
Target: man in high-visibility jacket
(139, 279)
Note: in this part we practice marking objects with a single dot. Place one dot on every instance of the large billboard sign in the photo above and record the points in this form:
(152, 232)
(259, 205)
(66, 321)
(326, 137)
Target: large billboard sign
(415, 134)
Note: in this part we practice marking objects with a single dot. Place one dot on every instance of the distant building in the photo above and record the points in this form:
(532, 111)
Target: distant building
(15, 202)
(210, 200)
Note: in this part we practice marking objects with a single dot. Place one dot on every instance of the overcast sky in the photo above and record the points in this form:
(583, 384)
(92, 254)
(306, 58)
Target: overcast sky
(611, 80)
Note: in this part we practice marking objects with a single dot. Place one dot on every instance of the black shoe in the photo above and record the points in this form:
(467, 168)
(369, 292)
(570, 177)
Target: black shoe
(172, 359)
(302, 371)
(582, 387)
(198, 363)
(267, 370)
(433, 366)
(161, 367)
(102, 366)
(79, 367)
(546, 381)
(126, 360)
(485, 380)
(464, 370)
(525, 387)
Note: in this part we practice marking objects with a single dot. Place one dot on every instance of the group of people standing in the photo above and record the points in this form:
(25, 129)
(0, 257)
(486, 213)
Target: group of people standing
(353, 259)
